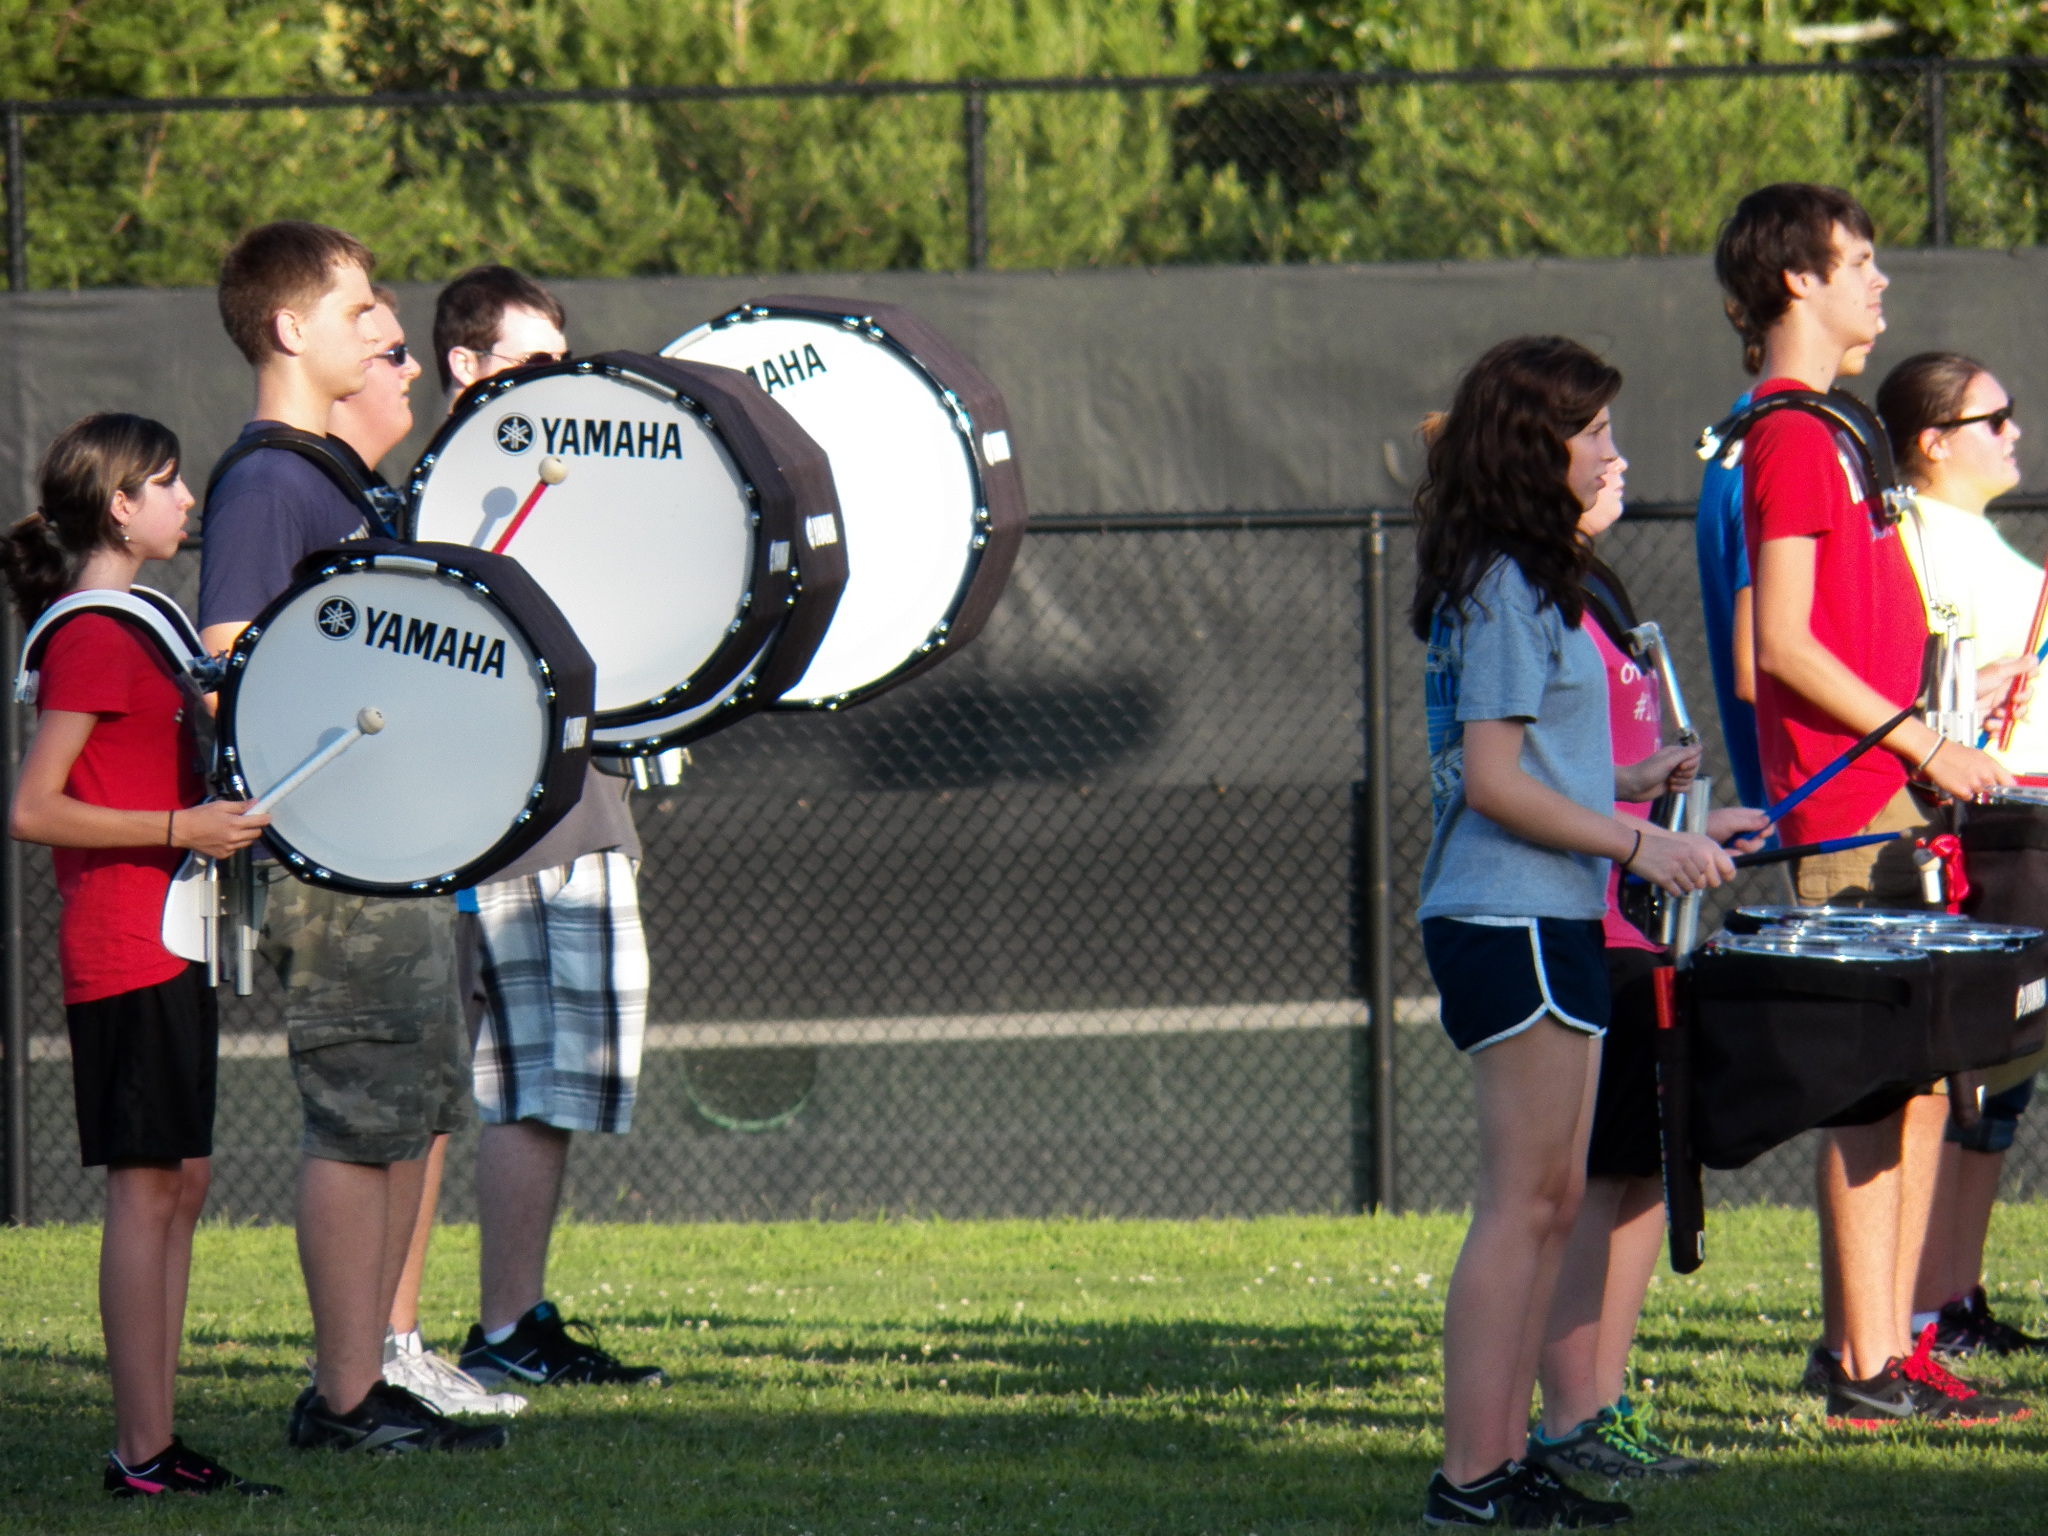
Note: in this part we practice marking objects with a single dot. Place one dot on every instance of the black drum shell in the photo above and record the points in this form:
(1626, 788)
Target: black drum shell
(1782, 1044)
(1002, 484)
(572, 678)
(1976, 1023)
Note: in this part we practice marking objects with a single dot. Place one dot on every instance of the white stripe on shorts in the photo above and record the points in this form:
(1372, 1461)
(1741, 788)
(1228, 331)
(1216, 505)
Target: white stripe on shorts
(565, 996)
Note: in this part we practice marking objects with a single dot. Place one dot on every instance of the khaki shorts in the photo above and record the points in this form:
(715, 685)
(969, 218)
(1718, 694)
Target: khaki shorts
(1881, 875)
(378, 1045)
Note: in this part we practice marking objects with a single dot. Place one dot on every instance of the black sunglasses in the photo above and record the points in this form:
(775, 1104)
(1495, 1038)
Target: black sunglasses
(395, 356)
(1995, 419)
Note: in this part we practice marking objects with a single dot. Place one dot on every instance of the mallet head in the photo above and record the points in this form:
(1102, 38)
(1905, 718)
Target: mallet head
(369, 721)
(553, 471)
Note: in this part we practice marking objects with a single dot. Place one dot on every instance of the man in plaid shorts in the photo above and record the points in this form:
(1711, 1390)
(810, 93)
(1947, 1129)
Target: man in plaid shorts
(554, 965)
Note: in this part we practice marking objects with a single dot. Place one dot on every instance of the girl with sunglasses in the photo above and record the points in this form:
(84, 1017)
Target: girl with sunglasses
(1953, 434)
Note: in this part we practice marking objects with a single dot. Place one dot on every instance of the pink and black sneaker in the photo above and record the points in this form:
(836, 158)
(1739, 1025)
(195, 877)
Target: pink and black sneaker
(1952, 1400)
(179, 1469)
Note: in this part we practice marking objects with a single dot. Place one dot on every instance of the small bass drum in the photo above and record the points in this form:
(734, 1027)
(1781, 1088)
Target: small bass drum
(927, 475)
(486, 697)
(678, 516)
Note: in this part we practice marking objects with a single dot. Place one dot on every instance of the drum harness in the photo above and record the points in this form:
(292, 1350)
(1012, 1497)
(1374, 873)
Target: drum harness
(1948, 697)
(379, 503)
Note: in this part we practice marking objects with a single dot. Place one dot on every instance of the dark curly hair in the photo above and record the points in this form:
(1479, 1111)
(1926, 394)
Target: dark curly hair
(1496, 482)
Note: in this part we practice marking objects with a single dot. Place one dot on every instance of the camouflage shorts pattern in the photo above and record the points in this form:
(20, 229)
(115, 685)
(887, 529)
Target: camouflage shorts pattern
(378, 1044)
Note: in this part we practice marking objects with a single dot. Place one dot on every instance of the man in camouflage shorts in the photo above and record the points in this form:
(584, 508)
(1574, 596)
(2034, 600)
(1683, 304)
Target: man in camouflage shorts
(377, 1041)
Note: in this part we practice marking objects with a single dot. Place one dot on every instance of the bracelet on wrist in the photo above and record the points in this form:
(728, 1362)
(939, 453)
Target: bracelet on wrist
(1625, 863)
(1939, 743)
(170, 830)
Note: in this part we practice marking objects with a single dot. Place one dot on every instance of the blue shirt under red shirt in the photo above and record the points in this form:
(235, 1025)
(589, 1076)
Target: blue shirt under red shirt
(1802, 479)
(140, 756)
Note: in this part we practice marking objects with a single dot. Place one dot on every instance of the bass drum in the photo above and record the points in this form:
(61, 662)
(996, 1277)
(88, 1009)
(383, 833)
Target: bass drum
(485, 694)
(928, 480)
(682, 521)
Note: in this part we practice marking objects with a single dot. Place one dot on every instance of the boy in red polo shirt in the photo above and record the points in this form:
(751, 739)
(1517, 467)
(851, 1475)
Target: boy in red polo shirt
(1840, 634)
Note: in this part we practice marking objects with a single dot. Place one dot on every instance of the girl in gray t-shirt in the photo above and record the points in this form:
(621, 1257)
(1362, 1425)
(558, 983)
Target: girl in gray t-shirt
(1515, 882)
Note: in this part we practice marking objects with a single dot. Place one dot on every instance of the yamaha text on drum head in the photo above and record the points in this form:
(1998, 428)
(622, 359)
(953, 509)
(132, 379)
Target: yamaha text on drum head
(927, 476)
(680, 519)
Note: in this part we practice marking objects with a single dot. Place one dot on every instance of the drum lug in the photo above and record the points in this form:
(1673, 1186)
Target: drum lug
(660, 770)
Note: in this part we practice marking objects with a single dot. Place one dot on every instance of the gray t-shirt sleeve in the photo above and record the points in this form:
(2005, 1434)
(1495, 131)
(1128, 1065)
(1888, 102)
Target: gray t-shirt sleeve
(1511, 649)
(601, 820)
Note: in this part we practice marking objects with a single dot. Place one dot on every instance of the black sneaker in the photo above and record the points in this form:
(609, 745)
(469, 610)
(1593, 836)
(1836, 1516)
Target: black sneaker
(1518, 1497)
(540, 1353)
(1946, 1397)
(1823, 1371)
(388, 1419)
(1669, 1460)
(1966, 1327)
(1489, 1501)
(179, 1469)
(1879, 1401)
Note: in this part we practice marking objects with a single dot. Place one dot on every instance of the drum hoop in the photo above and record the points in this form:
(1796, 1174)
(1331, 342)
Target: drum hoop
(964, 430)
(233, 783)
(718, 669)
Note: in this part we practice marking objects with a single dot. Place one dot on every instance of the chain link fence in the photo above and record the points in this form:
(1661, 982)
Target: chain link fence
(1069, 925)
(1046, 173)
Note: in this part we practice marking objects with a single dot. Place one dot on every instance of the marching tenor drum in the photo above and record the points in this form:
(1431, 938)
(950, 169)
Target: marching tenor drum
(2005, 854)
(927, 477)
(421, 714)
(683, 522)
(1792, 1030)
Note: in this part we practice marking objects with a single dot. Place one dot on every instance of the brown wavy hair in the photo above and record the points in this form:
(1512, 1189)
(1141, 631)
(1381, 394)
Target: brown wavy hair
(89, 461)
(1495, 482)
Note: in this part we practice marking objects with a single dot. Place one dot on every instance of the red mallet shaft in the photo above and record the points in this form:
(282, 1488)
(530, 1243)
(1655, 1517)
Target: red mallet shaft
(2012, 694)
(552, 472)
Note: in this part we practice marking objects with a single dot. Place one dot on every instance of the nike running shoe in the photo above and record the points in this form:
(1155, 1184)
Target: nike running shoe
(1518, 1497)
(179, 1469)
(1600, 1447)
(437, 1382)
(1670, 1462)
(1966, 1327)
(1823, 1371)
(388, 1419)
(540, 1353)
(1961, 1403)
(1880, 1401)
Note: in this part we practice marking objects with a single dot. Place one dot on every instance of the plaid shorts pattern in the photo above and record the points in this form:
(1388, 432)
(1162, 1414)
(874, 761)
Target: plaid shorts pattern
(564, 980)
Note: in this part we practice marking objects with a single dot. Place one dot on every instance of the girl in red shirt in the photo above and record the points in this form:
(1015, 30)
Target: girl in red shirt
(112, 784)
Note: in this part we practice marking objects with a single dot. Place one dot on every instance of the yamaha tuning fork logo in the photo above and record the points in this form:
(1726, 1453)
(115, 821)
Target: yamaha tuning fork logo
(336, 618)
(515, 434)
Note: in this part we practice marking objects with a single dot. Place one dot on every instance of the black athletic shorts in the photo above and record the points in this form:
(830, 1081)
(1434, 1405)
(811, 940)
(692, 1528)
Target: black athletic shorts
(143, 1067)
(1625, 1142)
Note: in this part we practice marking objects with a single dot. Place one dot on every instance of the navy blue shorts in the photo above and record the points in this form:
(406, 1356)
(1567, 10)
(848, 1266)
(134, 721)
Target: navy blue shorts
(1496, 976)
(2001, 1121)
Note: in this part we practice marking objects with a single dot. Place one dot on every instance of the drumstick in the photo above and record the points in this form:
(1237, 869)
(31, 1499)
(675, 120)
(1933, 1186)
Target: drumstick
(1808, 850)
(368, 723)
(552, 472)
(2040, 656)
(1777, 812)
(2012, 694)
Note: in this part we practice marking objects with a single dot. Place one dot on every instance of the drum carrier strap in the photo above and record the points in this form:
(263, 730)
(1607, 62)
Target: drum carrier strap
(1837, 408)
(152, 614)
(363, 486)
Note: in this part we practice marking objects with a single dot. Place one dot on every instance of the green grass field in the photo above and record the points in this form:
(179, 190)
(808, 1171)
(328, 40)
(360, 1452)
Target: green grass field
(1086, 1376)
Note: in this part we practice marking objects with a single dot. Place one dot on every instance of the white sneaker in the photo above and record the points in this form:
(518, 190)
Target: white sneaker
(443, 1385)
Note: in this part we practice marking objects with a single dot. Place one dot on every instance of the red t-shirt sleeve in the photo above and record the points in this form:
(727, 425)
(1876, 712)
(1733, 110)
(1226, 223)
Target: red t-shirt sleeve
(90, 665)
(1793, 481)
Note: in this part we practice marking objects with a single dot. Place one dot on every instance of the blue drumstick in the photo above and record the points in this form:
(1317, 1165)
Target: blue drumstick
(1799, 795)
(1809, 850)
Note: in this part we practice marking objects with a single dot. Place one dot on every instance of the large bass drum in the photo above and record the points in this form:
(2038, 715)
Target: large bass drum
(485, 697)
(927, 475)
(680, 518)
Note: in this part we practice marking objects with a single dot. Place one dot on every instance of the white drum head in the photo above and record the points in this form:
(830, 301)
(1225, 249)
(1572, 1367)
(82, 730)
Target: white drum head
(904, 465)
(467, 723)
(648, 543)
